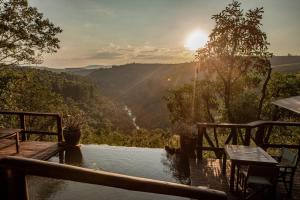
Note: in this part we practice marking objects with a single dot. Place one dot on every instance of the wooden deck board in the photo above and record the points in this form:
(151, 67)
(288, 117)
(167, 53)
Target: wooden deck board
(208, 173)
(29, 149)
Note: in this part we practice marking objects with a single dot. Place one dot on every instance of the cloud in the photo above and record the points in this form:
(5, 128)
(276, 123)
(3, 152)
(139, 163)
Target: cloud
(104, 11)
(106, 55)
(143, 53)
(101, 11)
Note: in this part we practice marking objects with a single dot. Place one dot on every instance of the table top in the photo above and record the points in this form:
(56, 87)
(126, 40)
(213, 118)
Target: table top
(5, 132)
(249, 154)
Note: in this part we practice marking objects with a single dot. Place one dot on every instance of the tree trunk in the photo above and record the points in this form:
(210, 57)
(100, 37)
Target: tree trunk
(227, 94)
(264, 92)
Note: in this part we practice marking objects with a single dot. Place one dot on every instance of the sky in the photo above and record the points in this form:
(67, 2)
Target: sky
(112, 32)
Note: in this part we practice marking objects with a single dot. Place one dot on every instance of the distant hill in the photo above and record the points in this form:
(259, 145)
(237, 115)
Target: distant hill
(82, 71)
(286, 63)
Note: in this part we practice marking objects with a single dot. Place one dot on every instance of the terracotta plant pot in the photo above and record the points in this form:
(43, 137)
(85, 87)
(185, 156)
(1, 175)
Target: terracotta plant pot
(72, 137)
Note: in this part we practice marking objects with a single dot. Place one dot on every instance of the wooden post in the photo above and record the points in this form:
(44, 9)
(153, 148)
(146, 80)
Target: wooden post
(259, 137)
(59, 128)
(224, 164)
(61, 157)
(22, 125)
(16, 185)
(247, 136)
(234, 135)
(200, 143)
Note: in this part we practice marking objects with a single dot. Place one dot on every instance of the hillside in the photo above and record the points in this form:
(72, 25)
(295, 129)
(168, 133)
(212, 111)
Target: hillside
(142, 86)
(27, 89)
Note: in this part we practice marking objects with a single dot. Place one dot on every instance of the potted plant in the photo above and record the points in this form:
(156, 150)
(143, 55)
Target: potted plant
(188, 134)
(72, 128)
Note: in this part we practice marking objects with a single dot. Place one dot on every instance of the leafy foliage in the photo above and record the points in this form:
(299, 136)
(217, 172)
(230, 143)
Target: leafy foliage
(139, 138)
(25, 89)
(25, 33)
(237, 47)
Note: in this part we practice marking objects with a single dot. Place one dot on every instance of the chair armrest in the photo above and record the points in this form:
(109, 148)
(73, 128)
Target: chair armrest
(277, 158)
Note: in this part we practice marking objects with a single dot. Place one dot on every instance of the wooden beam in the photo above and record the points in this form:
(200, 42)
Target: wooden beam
(28, 113)
(22, 126)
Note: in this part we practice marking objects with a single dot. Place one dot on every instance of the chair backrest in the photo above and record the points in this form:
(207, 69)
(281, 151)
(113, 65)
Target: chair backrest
(268, 172)
(289, 156)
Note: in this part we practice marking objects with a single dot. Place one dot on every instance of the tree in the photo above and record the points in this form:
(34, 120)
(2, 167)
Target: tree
(25, 34)
(236, 57)
(187, 106)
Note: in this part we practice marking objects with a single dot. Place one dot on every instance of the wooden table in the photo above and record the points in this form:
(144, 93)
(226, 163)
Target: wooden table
(245, 155)
(11, 132)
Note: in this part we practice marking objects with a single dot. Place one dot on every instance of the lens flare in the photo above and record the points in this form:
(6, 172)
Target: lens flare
(196, 40)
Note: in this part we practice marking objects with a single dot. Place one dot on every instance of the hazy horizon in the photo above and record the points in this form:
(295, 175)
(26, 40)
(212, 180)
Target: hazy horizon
(103, 32)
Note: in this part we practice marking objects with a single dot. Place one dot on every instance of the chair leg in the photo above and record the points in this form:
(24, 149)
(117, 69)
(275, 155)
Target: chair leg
(244, 190)
(238, 178)
(290, 189)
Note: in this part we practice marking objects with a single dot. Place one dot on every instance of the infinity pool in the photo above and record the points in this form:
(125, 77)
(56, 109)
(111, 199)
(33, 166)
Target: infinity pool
(142, 162)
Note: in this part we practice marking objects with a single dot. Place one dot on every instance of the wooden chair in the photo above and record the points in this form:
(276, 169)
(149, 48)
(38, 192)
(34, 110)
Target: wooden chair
(259, 179)
(287, 167)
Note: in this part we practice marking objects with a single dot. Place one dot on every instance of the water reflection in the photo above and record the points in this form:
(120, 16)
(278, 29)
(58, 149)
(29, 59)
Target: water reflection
(73, 156)
(178, 164)
(142, 162)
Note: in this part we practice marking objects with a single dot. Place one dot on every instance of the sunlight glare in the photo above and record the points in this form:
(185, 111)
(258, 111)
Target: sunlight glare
(196, 40)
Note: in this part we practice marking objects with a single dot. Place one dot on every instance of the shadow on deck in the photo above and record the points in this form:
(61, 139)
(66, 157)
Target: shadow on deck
(208, 173)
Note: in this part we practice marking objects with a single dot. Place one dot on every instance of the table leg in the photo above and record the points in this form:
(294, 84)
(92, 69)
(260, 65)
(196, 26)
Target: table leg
(17, 142)
(224, 164)
(232, 173)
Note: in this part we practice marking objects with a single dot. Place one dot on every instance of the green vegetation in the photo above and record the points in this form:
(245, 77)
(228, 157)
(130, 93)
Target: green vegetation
(138, 138)
(26, 89)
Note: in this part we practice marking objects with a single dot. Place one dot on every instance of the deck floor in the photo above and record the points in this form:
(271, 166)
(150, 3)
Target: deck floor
(208, 173)
(29, 149)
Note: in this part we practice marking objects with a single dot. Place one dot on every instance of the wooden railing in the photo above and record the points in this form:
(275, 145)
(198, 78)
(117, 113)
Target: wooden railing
(22, 116)
(258, 132)
(16, 169)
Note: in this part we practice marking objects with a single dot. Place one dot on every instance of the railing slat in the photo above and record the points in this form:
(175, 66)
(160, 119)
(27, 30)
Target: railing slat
(22, 116)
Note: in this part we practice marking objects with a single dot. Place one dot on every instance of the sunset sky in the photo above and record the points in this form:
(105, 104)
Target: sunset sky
(152, 31)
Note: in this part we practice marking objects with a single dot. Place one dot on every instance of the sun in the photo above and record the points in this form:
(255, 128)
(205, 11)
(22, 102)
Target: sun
(196, 40)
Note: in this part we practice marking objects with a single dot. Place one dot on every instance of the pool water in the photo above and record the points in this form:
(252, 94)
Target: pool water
(141, 162)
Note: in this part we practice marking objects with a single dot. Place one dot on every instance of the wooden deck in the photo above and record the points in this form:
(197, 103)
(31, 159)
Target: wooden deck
(208, 173)
(29, 149)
